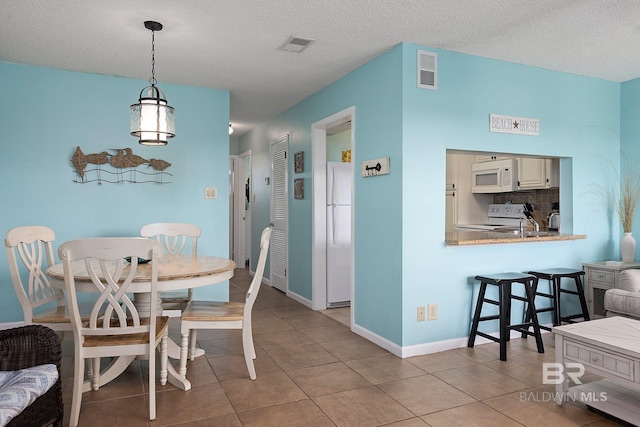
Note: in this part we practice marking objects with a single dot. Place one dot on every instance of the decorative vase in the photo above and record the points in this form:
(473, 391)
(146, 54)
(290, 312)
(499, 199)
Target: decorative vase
(628, 248)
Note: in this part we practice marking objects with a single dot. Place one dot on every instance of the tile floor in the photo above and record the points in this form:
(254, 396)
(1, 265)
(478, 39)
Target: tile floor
(313, 371)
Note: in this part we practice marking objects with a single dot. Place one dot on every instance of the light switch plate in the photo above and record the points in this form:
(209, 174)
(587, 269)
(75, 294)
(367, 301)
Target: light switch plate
(375, 167)
(211, 193)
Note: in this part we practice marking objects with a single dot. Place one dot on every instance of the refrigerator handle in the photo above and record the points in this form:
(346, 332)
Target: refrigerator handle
(335, 220)
(334, 190)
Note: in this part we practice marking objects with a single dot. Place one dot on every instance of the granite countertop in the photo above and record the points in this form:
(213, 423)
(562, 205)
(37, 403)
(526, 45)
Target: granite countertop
(480, 237)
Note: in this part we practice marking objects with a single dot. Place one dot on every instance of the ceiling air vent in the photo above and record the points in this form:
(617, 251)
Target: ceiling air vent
(427, 70)
(295, 44)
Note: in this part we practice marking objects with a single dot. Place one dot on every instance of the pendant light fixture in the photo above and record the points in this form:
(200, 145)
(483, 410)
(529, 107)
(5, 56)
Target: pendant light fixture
(152, 119)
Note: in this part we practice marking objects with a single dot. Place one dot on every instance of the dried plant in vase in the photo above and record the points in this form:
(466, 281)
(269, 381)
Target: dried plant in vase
(624, 197)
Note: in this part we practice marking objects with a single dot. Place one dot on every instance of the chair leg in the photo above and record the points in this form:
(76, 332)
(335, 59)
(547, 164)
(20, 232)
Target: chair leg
(78, 379)
(95, 378)
(504, 305)
(583, 301)
(557, 314)
(247, 345)
(194, 336)
(89, 368)
(247, 324)
(184, 349)
(534, 317)
(152, 384)
(476, 315)
(163, 361)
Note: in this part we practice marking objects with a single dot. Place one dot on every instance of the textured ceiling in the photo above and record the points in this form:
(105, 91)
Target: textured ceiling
(232, 44)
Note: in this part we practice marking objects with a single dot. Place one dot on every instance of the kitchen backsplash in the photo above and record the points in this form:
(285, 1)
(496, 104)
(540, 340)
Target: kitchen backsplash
(540, 199)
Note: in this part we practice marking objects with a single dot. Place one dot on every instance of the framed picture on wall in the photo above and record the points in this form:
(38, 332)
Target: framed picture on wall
(298, 162)
(298, 188)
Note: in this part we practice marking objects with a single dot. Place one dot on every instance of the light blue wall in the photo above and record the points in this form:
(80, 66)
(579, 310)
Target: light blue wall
(45, 114)
(401, 260)
(630, 136)
(579, 119)
(376, 90)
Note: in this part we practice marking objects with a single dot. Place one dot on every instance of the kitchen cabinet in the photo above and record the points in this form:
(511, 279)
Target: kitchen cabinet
(536, 173)
(451, 201)
(452, 172)
(461, 205)
(451, 210)
(598, 278)
(491, 157)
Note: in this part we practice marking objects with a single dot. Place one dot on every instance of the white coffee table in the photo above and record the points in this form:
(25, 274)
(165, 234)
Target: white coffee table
(608, 347)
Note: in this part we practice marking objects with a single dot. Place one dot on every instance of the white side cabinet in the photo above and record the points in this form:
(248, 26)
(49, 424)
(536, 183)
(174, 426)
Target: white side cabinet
(598, 278)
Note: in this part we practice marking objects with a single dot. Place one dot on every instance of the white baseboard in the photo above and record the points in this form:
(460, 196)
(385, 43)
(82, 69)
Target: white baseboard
(438, 346)
(377, 339)
(426, 348)
(299, 298)
(9, 325)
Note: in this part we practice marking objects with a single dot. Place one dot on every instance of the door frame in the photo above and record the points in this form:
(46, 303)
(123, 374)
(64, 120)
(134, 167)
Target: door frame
(237, 180)
(319, 202)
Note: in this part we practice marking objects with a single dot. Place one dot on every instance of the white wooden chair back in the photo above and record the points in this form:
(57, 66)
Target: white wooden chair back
(174, 236)
(115, 327)
(254, 288)
(111, 275)
(33, 246)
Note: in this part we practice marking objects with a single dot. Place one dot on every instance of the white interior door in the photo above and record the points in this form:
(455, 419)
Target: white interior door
(279, 213)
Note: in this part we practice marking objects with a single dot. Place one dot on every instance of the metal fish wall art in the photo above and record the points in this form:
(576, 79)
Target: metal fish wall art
(118, 167)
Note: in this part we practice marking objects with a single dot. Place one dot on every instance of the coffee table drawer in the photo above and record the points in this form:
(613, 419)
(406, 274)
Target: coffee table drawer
(592, 357)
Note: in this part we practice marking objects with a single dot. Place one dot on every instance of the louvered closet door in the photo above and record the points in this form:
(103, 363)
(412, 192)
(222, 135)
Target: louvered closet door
(279, 213)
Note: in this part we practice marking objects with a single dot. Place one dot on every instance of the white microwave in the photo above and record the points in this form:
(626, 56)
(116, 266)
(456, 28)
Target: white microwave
(496, 176)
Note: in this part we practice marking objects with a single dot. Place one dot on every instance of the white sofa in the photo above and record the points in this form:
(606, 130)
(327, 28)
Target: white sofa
(625, 300)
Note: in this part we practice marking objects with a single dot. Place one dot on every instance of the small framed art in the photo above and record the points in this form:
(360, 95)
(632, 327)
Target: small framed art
(298, 162)
(298, 188)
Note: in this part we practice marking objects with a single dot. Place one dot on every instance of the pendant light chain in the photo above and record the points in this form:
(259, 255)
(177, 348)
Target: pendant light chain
(153, 80)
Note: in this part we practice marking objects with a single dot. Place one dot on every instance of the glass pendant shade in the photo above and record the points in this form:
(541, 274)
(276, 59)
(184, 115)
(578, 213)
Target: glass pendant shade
(152, 120)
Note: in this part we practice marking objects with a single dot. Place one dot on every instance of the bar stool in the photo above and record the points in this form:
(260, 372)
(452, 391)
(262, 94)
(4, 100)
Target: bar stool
(554, 276)
(504, 281)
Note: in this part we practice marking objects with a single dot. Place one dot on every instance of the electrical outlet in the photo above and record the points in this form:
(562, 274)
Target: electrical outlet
(210, 193)
(420, 314)
(433, 311)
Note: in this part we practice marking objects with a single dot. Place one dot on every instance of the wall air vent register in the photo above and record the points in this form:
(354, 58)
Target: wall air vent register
(427, 70)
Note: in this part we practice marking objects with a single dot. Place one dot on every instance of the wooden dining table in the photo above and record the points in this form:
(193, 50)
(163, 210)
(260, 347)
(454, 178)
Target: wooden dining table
(175, 272)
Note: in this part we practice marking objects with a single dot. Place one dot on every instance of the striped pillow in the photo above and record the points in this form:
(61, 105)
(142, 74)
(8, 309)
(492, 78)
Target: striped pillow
(19, 389)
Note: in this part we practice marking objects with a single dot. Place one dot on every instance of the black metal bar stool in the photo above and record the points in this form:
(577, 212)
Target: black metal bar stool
(504, 281)
(555, 276)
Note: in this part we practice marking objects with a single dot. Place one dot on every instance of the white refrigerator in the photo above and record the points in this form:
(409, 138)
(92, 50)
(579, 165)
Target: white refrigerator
(339, 258)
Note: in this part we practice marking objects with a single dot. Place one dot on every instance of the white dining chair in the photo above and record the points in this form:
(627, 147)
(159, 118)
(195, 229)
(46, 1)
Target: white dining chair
(128, 332)
(175, 237)
(29, 254)
(225, 315)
